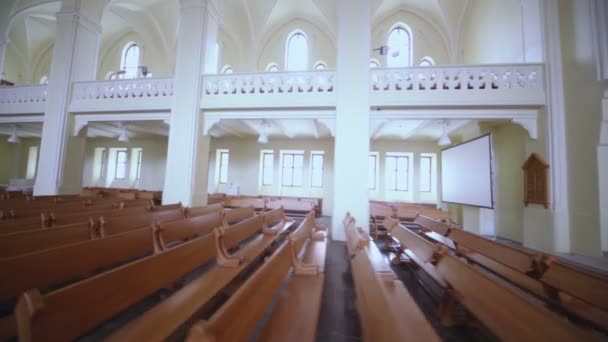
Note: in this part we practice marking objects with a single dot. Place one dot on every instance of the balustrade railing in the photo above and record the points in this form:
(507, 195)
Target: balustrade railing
(319, 81)
(22, 94)
(459, 78)
(136, 88)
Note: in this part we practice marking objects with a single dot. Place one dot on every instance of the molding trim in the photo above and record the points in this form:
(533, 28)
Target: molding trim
(82, 120)
(530, 125)
(599, 27)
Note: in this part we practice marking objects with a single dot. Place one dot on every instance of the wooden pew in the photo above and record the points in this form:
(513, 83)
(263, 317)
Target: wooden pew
(81, 259)
(238, 214)
(114, 225)
(166, 317)
(387, 311)
(239, 202)
(257, 293)
(504, 312)
(486, 297)
(82, 306)
(295, 315)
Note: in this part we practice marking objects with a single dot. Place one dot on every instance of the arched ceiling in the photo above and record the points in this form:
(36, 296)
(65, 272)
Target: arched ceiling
(248, 22)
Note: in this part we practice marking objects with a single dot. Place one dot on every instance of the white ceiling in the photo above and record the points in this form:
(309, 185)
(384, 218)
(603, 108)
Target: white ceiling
(136, 129)
(411, 130)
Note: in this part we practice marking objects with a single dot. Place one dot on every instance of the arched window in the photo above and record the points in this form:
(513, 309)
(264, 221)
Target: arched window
(272, 67)
(44, 80)
(227, 69)
(296, 54)
(427, 61)
(130, 60)
(373, 63)
(320, 65)
(400, 47)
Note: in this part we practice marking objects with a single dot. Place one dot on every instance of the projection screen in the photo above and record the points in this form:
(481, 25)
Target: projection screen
(466, 173)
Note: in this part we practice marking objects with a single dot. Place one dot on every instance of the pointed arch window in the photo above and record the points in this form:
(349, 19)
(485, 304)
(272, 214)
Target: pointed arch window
(373, 63)
(427, 61)
(272, 67)
(296, 54)
(400, 47)
(130, 60)
(320, 66)
(227, 69)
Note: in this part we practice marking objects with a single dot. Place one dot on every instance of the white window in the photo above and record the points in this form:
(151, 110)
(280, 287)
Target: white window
(267, 157)
(139, 159)
(296, 55)
(272, 67)
(427, 61)
(428, 172)
(320, 66)
(223, 166)
(102, 163)
(130, 60)
(32, 162)
(120, 170)
(227, 69)
(372, 174)
(291, 168)
(425, 174)
(374, 63)
(397, 172)
(400, 47)
(316, 169)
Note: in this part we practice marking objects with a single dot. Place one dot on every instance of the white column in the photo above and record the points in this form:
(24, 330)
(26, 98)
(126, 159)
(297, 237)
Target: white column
(352, 115)
(556, 133)
(74, 59)
(602, 162)
(532, 31)
(188, 150)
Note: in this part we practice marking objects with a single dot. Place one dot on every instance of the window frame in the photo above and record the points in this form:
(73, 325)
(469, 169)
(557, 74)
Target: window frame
(396, 27)
(388, 173)
(294, 33)
(139, 162)
(221, 166)
(292, 153)
(312, 168)
(118, 153)
(127, 75)
(376, 156)
(263, 154)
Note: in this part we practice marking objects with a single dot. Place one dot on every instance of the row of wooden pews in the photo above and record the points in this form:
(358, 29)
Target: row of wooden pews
(295, 315)
(404, 212)
(295, 206)
(503, 287)
(386, 309)
(69, 281)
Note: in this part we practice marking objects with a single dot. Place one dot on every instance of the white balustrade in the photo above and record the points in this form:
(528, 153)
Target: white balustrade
(22, 94)
(459, 78)
(137, 88)
(319, 81)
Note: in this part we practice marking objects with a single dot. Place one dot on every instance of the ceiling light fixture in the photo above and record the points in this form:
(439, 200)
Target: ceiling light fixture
(383, 50)
(14, 139)
(445, 140)
(263, 139)
(144, 70)
(123, 137)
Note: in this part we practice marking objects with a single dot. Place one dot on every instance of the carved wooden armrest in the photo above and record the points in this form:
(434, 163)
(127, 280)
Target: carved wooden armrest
(224, 259)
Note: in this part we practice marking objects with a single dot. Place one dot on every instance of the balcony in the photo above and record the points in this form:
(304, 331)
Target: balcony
(141, 94)
(516, 85)
(269, 90)
(23, 99)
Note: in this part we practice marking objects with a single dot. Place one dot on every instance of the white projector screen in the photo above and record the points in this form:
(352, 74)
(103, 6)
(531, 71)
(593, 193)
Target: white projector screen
(466, 173)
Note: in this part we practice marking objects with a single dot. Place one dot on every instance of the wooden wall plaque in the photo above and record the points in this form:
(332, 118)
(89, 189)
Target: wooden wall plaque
(536, 181)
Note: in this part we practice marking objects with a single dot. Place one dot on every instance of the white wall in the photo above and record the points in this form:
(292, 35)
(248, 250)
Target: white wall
(244, 167)
(493, 32)
(13, 158)
(154, 159)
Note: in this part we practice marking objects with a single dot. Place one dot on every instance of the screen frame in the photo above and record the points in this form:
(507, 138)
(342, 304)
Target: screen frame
(491, 171)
